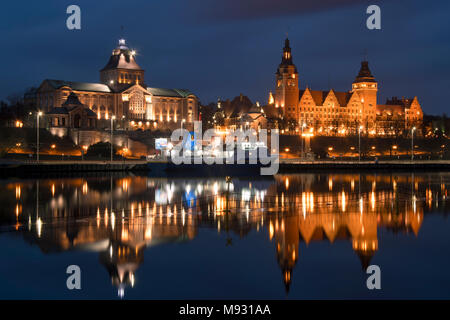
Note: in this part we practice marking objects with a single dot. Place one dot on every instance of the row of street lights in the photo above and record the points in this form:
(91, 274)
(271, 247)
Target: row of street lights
(39, 114)
(113, 117)
(359, 141)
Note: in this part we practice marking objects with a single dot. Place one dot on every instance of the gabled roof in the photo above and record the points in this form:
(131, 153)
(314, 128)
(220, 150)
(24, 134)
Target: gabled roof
(343, 97)
(72, 99)
(79, 86)
(320, 96)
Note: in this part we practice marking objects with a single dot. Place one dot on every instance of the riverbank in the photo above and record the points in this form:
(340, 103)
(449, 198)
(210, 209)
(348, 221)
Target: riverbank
(10, 168)
(32, 168)
(295, 166)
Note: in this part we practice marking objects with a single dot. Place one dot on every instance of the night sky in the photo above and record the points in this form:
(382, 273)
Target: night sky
(221, 48)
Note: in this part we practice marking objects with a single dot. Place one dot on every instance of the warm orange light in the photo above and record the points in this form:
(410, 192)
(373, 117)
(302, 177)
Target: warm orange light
(53, 146)
(306, 134)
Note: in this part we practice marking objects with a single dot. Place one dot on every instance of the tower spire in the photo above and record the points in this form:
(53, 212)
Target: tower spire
(287, 56)
(364, 75)
(122, 35)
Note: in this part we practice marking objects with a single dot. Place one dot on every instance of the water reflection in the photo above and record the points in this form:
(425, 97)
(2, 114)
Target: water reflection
(121, 216)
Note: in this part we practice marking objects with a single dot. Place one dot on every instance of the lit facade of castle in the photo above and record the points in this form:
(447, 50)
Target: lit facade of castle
(121, 94)
(342, 113)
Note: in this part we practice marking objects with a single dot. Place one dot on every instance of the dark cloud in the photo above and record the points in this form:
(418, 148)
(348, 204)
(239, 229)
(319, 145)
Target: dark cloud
(253, 9)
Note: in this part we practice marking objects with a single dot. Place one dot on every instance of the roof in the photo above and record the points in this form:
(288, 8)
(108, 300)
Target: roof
(364, 74)
(342, 97)
(176, 93)
(235, 108)
(64, 110)
(271, 111)
(79, 86)
(319, 96)
(405, 102)
(122, 58)
(72, 99)
(122, 61)
(90, 112)
(58, 110)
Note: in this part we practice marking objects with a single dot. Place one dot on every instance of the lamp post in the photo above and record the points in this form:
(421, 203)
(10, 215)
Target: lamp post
(412, 142)
(359, 142)
(112, 119)
(83, 151)
(37, 134)
(303, 126)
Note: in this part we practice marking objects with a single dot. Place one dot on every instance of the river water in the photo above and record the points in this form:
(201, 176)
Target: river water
(303, 236)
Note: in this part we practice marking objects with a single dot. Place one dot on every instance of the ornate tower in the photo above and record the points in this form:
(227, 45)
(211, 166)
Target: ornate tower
(367, 88)
(122, 69)
(286, 92)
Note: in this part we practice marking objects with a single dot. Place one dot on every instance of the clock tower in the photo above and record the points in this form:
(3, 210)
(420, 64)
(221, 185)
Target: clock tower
(286, 92)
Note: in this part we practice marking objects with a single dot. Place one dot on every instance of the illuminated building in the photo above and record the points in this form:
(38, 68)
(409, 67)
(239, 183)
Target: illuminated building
(122, 92)
(334, 112)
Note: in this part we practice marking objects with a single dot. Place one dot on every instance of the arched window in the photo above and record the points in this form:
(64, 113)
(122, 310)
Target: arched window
(137, 102)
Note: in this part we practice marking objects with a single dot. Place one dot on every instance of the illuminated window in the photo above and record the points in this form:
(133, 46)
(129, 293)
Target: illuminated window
(137, 102)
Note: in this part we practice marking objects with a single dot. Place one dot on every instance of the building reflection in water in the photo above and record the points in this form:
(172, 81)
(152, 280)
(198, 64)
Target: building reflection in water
(120, 217)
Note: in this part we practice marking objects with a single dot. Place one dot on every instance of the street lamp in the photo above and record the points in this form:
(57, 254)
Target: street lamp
(112, 119)
(359, 142)
(37, 134)
(303, 126)
(394, 147)
(412, 142)
(83, 151)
